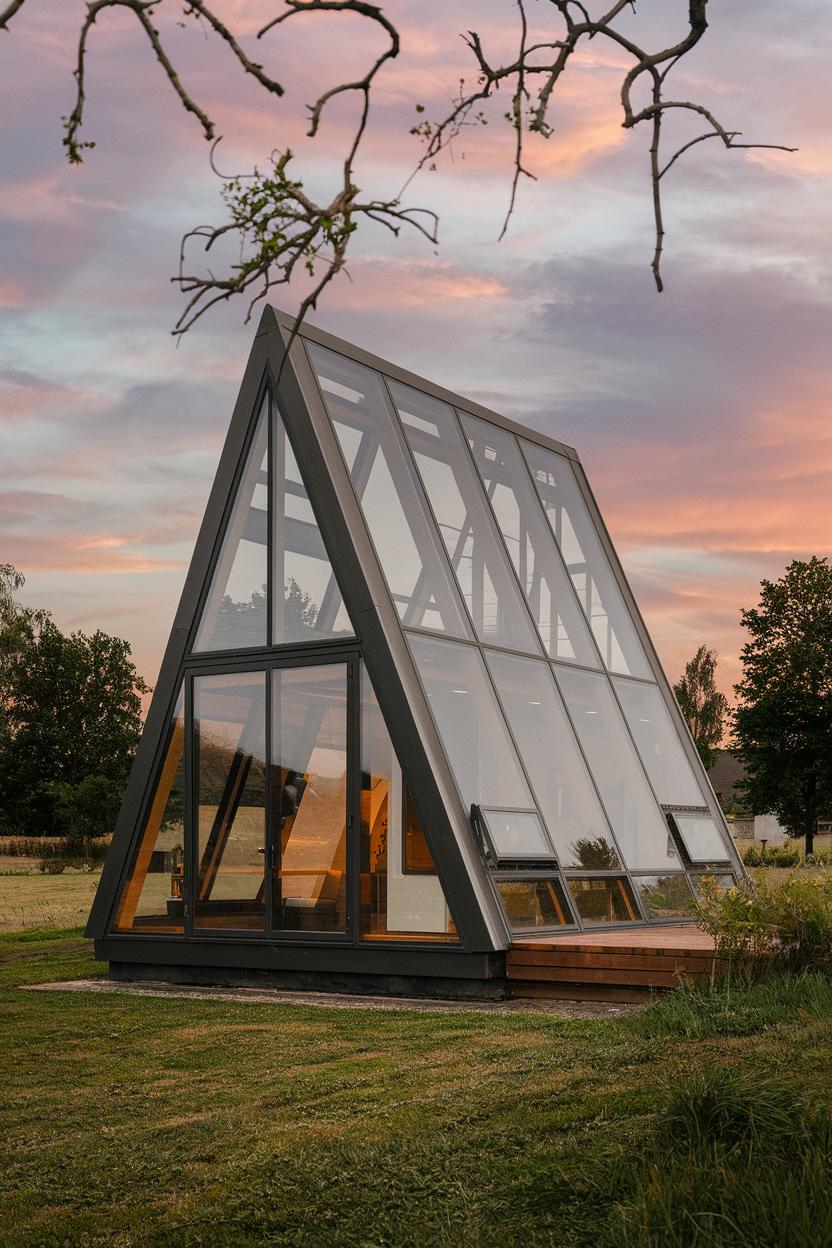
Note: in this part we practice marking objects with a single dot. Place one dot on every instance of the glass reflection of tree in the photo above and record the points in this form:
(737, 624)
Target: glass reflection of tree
(241, 624)
(300, 613)
(667, 896)
(595, 854)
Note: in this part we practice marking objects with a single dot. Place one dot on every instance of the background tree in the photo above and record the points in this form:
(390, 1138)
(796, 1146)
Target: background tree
(783, 723)
(277, 229)
(701, 703)
(70, 724)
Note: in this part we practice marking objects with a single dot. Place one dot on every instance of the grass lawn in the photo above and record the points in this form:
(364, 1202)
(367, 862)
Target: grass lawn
(167, 1122)
(45, 901)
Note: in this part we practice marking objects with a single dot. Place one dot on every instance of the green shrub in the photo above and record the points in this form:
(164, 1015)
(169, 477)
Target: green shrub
(781, 856)
(771, 856)
(731, 918)
(789, 923)
(87, 809)
(52, 866)
(798, 916)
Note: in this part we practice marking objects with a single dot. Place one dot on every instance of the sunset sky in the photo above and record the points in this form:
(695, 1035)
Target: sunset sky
(702, 415)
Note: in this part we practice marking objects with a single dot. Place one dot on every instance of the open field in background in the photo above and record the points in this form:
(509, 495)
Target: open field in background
(45, 901)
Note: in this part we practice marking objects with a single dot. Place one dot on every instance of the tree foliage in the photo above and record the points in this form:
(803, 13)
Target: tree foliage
(701, 703)
(70, 721)
(279, 228)
(783, 723)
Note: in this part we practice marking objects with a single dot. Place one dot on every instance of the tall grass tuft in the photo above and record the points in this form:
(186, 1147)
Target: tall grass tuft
(730, 1109)
(733, 1162)
(724, 1009)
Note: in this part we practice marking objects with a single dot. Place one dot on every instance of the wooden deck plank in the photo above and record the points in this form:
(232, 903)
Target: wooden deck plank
(671, 936)
(645, 961)
(602, 975)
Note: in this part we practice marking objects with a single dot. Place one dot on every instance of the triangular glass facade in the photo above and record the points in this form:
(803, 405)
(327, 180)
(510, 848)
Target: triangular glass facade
(416, 703)
(250, 827)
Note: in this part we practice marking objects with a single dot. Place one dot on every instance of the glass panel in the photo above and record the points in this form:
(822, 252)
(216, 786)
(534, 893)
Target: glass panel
(665, 896)
(640, 829)
(477, 555)
(701, 837)
(391, 498)
(517, 834)
(558, 774)
(307, 601)
(401, 894)
(537, 562)
(470, 723)
(600, 900)
(234, 615)
(658, 744)
(230, 750)
(309, 798)
(151, 900)
(534, 903)
(722, 881)
(417, 856)
(588, 566)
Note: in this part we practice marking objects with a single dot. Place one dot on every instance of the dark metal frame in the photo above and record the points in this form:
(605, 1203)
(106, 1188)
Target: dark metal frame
(380, 644)
(499, 860)
(267, 662)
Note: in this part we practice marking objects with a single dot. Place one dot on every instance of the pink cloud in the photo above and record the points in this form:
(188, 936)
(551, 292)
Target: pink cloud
(12, 293)
(403, 284)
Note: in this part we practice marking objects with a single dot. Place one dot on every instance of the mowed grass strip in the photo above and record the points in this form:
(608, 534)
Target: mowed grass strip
(129, 1120)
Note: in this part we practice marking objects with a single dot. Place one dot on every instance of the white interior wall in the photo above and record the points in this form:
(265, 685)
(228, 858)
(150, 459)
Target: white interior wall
(415, 903)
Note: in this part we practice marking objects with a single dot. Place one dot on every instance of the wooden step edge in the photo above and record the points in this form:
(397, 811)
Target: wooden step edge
(582, 975)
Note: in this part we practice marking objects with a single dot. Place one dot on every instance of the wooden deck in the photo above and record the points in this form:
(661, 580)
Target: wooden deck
(623, 965)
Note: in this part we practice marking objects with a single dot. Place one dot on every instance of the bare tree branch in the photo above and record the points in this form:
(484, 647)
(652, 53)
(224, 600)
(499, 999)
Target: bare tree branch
(280, 231)
(8, 13)
(550, 60)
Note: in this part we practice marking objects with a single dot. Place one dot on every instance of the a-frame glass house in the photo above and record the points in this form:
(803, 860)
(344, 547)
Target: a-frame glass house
(408, 713)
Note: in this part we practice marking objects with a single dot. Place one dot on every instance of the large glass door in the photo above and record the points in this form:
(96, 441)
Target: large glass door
(301, 823)
(308, 849)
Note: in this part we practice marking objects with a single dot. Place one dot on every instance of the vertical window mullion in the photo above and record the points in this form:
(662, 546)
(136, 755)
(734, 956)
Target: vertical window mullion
(191, 772)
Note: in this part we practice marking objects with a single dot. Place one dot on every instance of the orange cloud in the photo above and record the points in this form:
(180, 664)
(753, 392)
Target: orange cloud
(400, 284)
